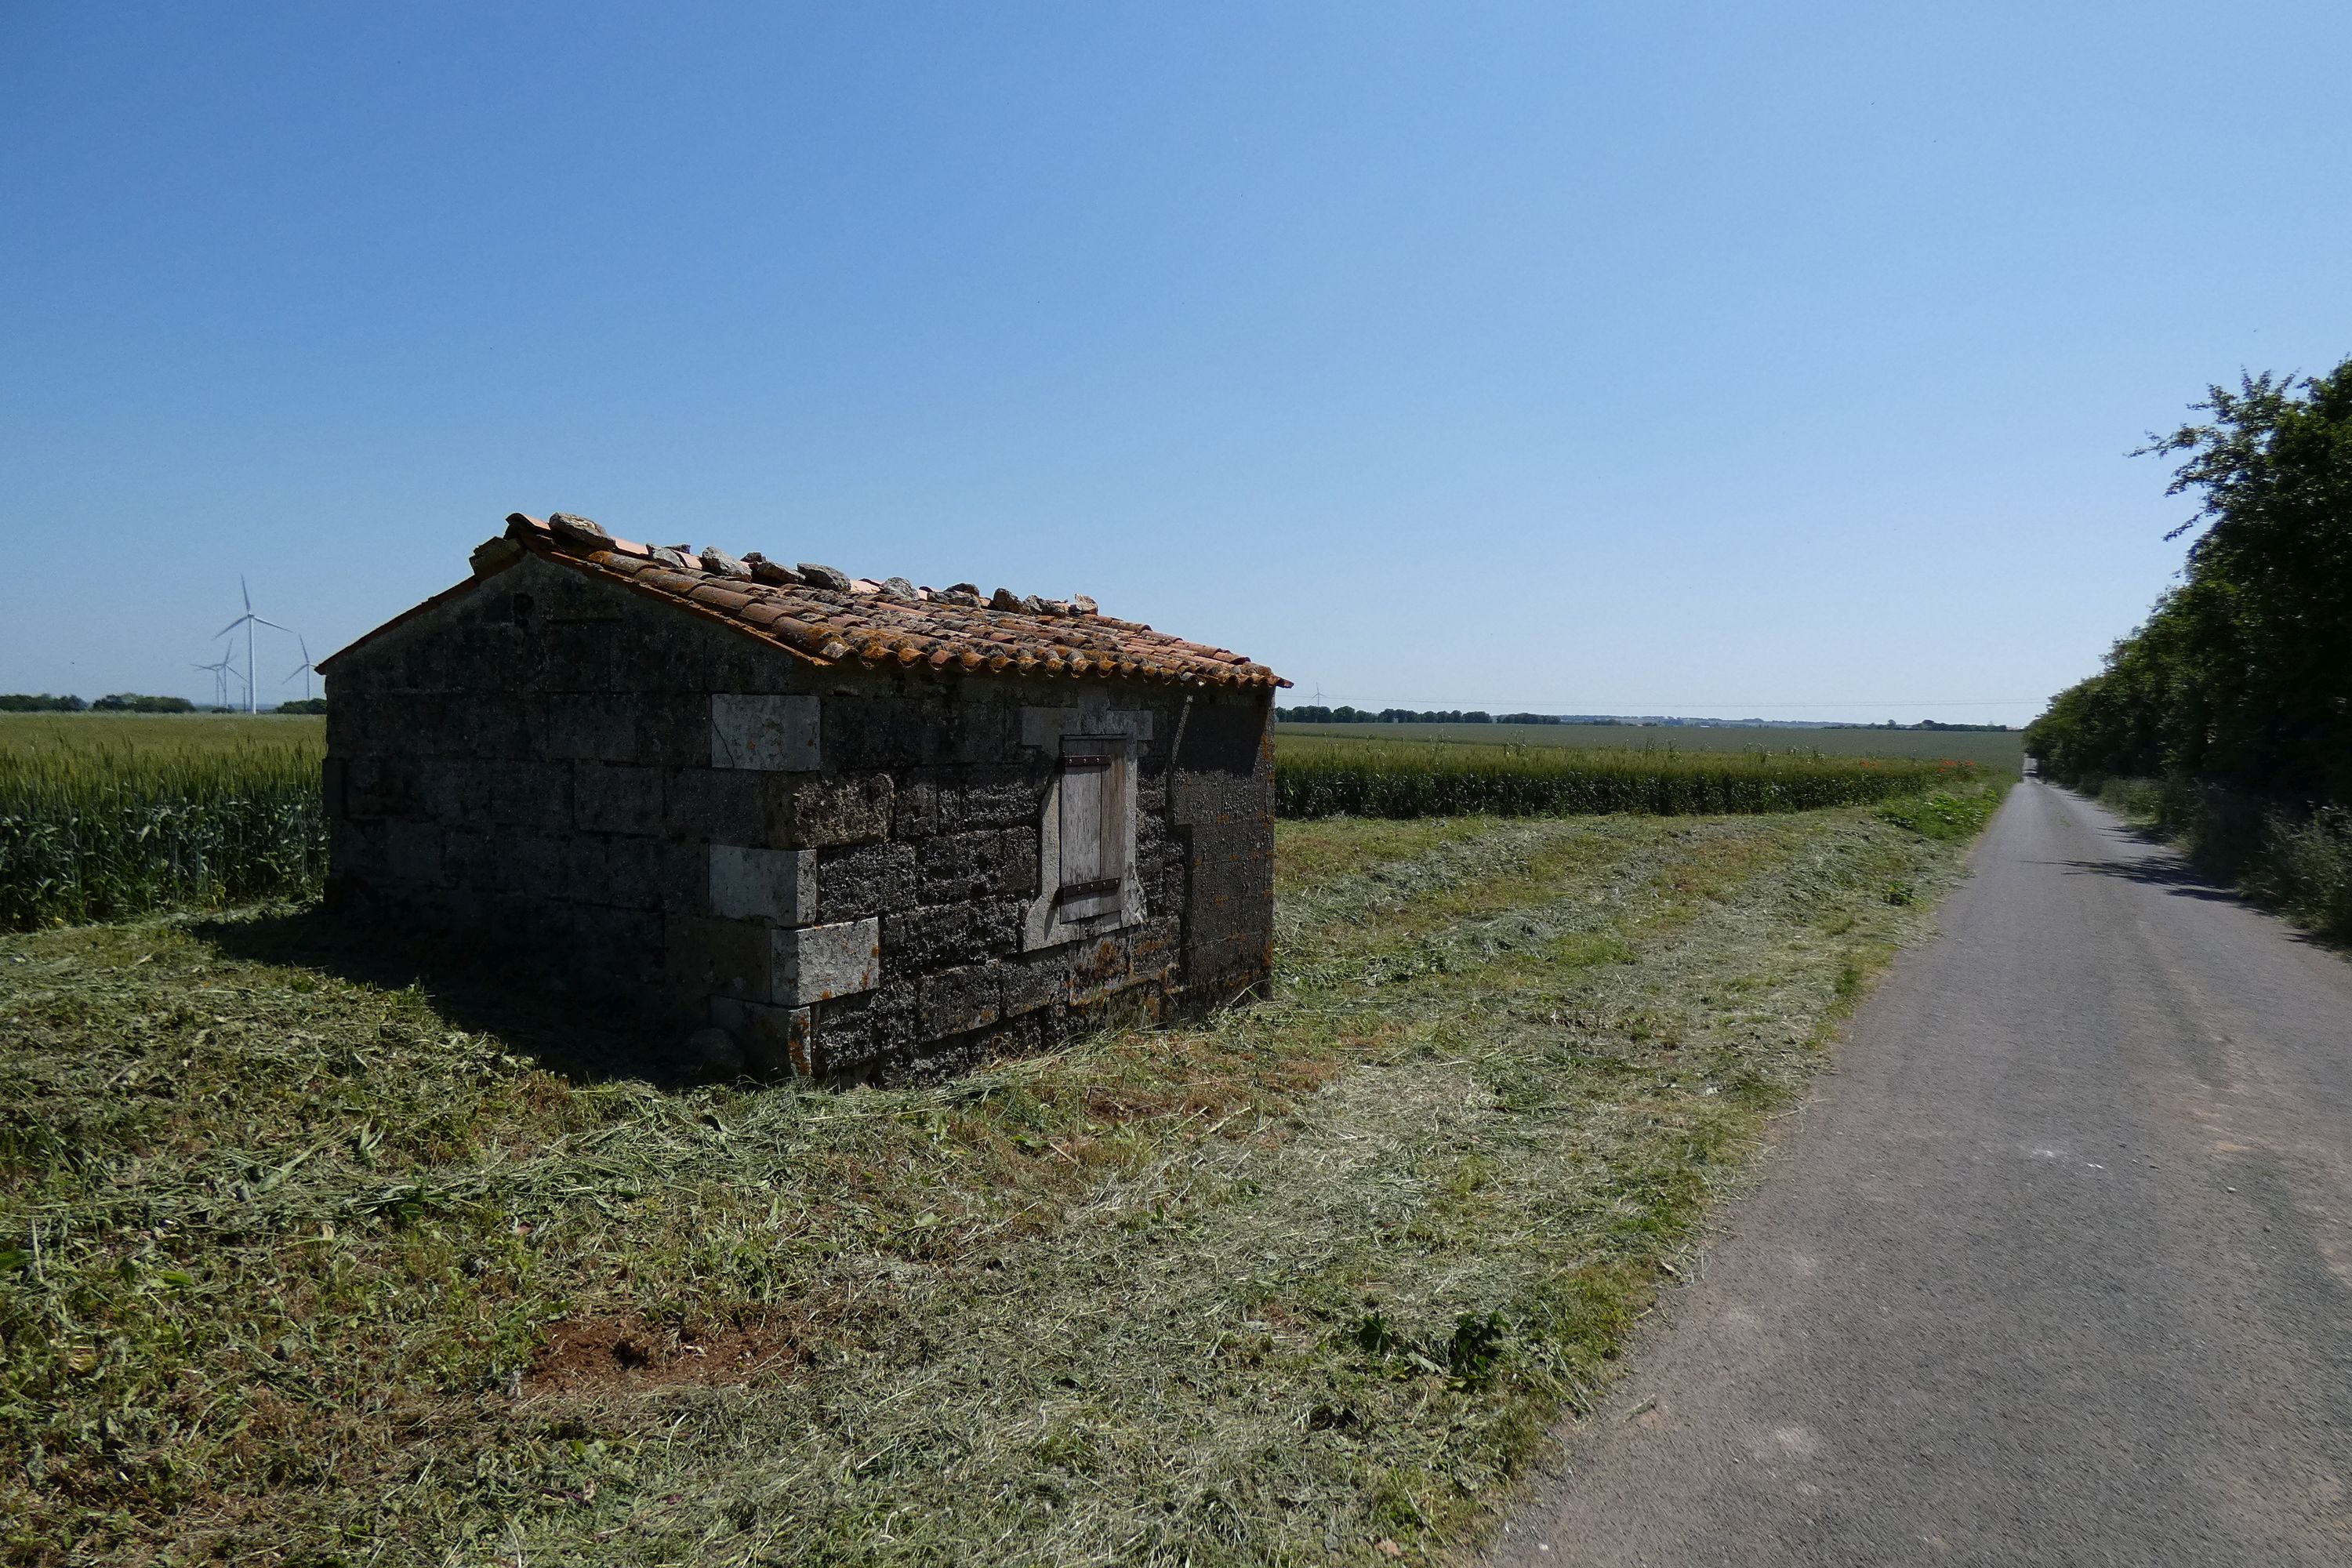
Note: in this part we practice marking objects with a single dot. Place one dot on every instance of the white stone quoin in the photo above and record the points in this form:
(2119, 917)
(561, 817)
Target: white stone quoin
(774, 734)
(813, 962)
(776, 886)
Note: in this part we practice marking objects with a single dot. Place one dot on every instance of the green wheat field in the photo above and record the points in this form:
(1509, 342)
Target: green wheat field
(1319, 776)
(109, 817)
(2001, 751)
(104, 816)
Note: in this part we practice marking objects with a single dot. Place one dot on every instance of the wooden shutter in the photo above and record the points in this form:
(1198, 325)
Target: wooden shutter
(1092, 827)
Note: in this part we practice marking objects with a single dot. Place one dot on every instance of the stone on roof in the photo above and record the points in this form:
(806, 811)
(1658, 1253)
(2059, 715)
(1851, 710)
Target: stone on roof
(821, 614)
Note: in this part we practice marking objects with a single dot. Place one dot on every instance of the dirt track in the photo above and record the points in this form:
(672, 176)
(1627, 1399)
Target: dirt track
(2055, 1268)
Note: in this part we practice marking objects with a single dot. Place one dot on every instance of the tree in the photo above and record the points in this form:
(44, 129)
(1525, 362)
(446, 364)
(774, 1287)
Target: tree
(135, 702)
(2243, 674)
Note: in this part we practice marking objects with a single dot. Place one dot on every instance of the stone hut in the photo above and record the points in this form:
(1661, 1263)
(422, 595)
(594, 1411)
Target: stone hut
(855, 826)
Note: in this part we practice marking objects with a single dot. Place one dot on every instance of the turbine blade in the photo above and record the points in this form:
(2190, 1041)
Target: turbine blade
(230, 627)
(273, 624)
(246, 592)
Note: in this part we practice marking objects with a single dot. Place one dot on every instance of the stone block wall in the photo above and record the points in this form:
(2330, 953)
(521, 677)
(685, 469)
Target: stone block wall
(842, 867)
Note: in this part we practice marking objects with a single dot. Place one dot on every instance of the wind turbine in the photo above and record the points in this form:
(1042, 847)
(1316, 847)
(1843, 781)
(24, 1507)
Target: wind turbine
(219, 668)
(248, 621)
(303, 669)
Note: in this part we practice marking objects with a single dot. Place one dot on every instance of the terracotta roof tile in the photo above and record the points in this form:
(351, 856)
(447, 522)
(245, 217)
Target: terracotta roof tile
(888, 622)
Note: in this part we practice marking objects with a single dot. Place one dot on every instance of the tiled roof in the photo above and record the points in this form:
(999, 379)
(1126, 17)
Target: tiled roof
(824, 616)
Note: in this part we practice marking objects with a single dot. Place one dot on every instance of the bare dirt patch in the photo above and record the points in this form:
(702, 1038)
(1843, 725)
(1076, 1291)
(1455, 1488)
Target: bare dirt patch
(633, 1355)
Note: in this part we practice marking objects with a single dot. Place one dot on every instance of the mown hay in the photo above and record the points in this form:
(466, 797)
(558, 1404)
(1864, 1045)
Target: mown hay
(299, 1266)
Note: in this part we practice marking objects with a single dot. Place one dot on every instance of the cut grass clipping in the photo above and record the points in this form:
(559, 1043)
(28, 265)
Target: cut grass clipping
(1315, 777)
(299, 1268)
(103, 817)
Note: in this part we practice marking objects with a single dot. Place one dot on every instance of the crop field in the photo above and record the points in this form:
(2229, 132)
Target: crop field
(104, 815)
(111, 736)
(1316, 776)
(2003, 751)
(314, 1252)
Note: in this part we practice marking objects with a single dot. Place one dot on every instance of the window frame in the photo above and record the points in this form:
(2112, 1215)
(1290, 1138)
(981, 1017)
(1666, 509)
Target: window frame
(1069, 908)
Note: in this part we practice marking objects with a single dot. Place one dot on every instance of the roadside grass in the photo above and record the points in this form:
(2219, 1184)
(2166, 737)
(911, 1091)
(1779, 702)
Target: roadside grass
(1947, 815)
(2136, 800)
(297, 1268)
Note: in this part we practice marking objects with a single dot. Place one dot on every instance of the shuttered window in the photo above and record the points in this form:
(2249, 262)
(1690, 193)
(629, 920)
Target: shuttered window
(1094, 824)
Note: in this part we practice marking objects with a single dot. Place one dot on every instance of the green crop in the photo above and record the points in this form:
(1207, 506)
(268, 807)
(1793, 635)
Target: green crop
(1315, 777)
(100, 819)
(1997, 750)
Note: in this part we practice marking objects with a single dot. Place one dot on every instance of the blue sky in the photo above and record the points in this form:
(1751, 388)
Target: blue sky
(1705, 359)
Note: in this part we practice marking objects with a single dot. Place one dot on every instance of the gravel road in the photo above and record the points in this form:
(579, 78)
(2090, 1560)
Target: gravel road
(2055, 1268)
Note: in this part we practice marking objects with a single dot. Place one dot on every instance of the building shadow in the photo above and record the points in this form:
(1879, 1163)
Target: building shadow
(584, 1034)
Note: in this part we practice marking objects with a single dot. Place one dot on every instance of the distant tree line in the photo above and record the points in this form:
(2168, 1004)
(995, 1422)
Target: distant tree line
(1313, 714)
(132, 702)
(120, 702)
(2237, 691)
(1931, 724)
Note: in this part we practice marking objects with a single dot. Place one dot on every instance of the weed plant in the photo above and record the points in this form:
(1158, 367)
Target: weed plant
(1315, 777)
(104, 819)
(1945, 813)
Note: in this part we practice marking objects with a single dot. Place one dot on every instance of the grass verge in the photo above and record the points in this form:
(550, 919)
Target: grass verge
(295, 1269)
